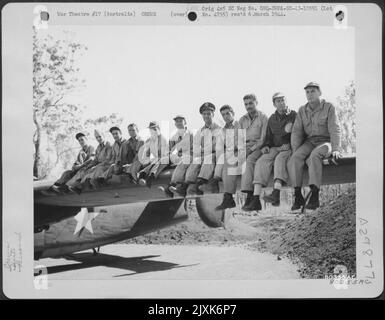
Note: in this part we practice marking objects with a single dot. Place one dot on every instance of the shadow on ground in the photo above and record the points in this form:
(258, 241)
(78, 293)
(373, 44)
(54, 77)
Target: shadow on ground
(137, 265)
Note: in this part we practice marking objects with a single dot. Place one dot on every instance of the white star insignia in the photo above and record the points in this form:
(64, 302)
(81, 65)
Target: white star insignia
(84, 219)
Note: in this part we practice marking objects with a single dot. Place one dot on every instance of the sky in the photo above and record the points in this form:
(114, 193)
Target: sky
(147, 73)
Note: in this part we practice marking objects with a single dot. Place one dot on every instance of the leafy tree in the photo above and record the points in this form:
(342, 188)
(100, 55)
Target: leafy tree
(55, 76)
(103, 123)
(65, 147)
(346, 111)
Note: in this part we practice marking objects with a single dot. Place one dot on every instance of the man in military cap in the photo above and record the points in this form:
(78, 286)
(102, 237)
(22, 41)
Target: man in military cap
(204, 147)
(316, 135)
(84, 156)
(154, 155)
(181, 149)
(180, 140)
(276, 150)
(254, 124)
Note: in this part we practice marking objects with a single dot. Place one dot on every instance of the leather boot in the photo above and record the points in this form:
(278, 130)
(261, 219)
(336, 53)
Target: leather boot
(299, 201)
(273, 198)
(254, 205)
(179, 190)
(228, 202)
(314, 198)
(248, 199)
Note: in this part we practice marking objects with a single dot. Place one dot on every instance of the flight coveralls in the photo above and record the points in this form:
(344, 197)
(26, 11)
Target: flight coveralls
(116, 164)
(134, 144)
(85, 154)
(101, 162)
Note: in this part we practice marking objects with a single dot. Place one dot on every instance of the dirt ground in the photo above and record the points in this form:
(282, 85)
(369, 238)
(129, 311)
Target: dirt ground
(316, 241)
(171, 262)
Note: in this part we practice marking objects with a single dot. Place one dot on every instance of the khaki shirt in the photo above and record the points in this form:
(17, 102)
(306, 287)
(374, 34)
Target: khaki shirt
(320, 124)
(255, 129)
(154, 147)
(118, 148)
(228, 139)
(205, 140)
(181, 142)
(132, 150)
(103, 153)
(84, 155)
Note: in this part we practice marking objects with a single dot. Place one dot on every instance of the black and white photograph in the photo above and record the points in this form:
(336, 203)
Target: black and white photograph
(225, 150)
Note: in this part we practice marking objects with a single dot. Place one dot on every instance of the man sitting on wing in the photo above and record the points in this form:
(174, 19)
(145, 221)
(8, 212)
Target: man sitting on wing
(316, 135)
(203, 163)
(254, 123)
(134, 143)
(154, 155)
(101, 162)
(226, 147)
(119, 147)
(181, 148)
(84, 156)
(276, 151)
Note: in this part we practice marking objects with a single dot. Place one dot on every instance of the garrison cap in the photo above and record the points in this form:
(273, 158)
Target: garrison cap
(277, 95)
(153, 124)
(178, 116)
(79, 135)
(98, 132)
(115, 128)
(312, 84)
(207, 106)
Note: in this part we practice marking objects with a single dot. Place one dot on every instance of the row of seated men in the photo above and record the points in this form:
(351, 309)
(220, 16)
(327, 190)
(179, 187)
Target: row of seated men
(282, 143)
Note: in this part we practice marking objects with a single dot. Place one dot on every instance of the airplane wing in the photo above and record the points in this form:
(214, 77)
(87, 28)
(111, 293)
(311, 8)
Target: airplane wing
(120, 190)
(69, 223)
(53, 208)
